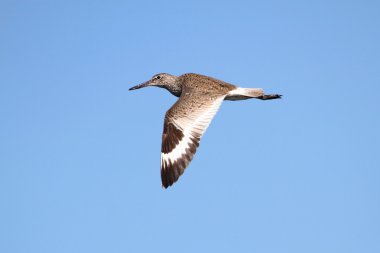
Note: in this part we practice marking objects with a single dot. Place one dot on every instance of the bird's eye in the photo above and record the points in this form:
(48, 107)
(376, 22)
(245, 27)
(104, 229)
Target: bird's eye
(158, 77)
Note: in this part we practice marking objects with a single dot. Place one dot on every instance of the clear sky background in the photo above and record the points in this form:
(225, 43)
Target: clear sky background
(80, 154)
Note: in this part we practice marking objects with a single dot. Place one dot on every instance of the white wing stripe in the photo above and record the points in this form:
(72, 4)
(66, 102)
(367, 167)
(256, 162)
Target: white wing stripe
(178, 151)
(191, 127)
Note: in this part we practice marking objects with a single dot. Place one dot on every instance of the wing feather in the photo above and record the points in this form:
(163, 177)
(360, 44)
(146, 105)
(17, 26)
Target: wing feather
(185, 123)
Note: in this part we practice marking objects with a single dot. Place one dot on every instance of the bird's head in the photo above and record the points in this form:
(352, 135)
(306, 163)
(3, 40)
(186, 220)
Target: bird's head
(162, 80)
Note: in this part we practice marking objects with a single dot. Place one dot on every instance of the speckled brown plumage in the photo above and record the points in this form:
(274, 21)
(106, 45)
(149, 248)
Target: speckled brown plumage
(186, 121)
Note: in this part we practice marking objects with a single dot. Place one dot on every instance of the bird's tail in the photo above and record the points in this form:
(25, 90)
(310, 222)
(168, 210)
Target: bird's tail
(244, 93)
(247, 93)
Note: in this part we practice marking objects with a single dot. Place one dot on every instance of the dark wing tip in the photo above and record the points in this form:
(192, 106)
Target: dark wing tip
(171, 171)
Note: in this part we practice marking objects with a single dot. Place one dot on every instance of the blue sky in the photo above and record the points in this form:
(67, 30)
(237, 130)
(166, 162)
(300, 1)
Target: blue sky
(80, 154)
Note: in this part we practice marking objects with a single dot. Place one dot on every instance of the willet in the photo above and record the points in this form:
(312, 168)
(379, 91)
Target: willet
(186, 121)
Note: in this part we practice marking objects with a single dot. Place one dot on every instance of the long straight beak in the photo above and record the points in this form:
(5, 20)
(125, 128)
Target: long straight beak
(147, 83)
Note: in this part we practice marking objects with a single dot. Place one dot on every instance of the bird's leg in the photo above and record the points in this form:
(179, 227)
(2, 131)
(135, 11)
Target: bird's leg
(268, 97)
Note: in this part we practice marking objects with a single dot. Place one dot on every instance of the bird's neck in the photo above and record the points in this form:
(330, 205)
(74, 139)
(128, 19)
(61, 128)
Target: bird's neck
(174, 88)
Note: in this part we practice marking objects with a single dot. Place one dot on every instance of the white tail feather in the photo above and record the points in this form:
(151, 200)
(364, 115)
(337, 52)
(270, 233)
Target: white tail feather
(244, 93)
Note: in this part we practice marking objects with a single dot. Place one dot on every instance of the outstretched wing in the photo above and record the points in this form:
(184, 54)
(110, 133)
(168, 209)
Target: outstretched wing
(185, 123)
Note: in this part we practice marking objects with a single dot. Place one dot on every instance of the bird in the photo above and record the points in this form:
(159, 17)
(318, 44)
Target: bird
(186, 121)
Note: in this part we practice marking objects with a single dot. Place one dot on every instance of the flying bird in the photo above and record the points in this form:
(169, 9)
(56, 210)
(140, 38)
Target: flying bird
(186, 121)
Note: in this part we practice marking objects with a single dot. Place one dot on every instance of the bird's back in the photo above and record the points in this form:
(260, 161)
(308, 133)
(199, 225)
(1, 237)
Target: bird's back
(205, 84)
